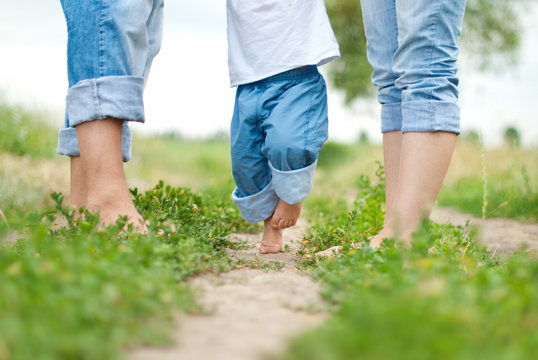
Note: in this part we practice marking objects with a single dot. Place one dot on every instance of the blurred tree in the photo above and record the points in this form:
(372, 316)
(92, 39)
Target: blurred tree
(512, 137)
(472, 137)
(363, 137)
(491, 27)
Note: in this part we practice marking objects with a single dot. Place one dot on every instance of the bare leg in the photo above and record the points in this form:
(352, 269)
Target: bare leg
(78, 183)
(101, 158)
(392, 146)
(286, 215)
(425, 157)
(271, 240)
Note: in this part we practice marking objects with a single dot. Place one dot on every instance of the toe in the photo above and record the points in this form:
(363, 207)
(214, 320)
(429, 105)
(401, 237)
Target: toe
(375, 243)
(329, 252)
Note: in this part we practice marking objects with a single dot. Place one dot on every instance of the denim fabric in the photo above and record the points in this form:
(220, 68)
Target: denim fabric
(412, 46)
(111, 45)
(256, 207)
(278, 128)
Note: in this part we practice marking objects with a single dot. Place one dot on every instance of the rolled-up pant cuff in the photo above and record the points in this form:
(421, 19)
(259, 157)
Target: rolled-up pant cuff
(257, 207)
(68, 142)
(120, 97)
(292, 186)
(391, 117)
(430, 116)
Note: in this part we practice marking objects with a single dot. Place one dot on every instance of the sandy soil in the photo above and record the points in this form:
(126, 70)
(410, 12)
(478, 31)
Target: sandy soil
(253, 313)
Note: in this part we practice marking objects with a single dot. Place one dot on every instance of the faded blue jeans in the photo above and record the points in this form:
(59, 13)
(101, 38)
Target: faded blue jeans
(111, 45)
(412, 46)
(278, 127)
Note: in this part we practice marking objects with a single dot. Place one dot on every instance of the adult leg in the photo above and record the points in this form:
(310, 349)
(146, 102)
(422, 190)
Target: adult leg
(425, 63)
(78, 183)
(106, 88)
(102, 163)
(392, 149)
(381, 29)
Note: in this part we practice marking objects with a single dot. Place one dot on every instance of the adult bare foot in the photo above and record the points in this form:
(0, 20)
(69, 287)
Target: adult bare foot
(286, 215)
(377, 240)
(101, 165)
(110, 211)
(336, 250)
(271, 240)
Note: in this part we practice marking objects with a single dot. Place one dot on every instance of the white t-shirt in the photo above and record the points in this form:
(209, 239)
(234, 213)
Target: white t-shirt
(267, 37)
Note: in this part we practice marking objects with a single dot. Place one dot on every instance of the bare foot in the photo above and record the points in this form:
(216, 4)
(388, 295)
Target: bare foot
(271, 240)
(377, 240)
(110, 211)
(336, 250)
(286, 215)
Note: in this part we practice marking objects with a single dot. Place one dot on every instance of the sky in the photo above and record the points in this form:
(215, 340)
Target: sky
(188, 88)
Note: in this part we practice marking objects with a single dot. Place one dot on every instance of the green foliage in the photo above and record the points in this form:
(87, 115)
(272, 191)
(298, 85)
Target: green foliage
(352, 72)
(472, 137)
(512, 138)
(445, 297)
(23, 133)
(492, 27)
(337, 226)
(82, 293)
(334, 154)
(511, 194)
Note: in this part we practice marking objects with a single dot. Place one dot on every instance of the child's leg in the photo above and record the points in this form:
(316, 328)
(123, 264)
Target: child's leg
(254, 194)
(295, 132)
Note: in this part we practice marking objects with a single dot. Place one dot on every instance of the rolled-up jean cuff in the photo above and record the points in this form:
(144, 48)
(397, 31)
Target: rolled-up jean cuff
(391, 117)
(430, 116)
(119, 97)
(68, 142)
(257, 207)
(294, 185)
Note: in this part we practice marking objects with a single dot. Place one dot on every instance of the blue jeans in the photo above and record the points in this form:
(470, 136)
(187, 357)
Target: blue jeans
(412, 46)
(111, 45)
(278, 127)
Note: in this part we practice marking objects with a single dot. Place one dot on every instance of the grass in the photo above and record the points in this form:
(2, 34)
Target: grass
(444, 298)
(99, 291)
(81, 293)
(511, 183)
(25, 133)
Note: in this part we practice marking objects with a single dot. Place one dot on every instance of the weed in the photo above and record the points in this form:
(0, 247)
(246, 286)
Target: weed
(445, 297)
(22, 134)
(98, 291)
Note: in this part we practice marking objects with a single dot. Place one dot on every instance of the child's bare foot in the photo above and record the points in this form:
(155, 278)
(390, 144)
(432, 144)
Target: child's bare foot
(271, 240)
(286, 215)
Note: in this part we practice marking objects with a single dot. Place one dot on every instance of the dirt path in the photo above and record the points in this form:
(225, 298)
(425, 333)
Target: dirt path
(253, 313)
(499, 235)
